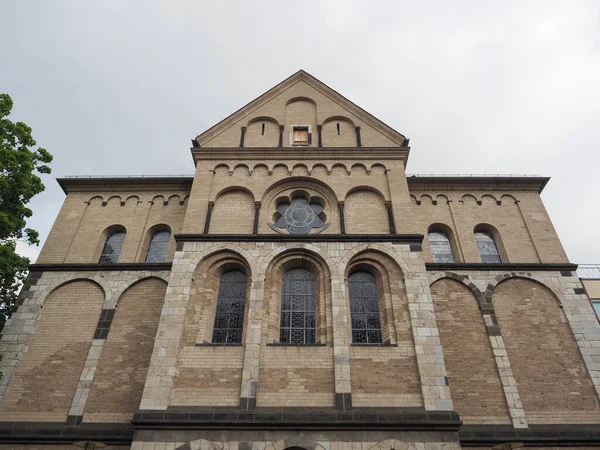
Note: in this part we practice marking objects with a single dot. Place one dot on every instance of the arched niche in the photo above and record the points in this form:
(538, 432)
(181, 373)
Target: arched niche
(47, 376)
(300, 112)
(338, 131)
(262, 132)
(123, 365)
(543, 354)
(464, 337)
(365, 212)
(233, 212)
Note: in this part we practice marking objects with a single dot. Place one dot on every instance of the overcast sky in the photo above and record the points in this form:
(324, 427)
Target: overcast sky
(119, 87)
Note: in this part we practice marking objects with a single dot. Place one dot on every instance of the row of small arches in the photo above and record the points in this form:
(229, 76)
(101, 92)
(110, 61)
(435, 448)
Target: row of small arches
(300, 169)
(441, 199)
(173, 199)
(270, 190)
(157, 242)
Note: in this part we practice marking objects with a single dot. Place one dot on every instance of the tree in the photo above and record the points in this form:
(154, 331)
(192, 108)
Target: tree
(18, 184)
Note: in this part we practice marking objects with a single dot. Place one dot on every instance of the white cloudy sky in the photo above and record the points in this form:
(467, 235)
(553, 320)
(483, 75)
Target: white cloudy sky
(120, 87)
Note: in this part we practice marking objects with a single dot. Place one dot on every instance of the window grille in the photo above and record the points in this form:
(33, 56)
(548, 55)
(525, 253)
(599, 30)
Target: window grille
(364, 309)
(298, 307)
(231, 302)
(487, 247)
(441, 250)
(112, 247)
(159, 244)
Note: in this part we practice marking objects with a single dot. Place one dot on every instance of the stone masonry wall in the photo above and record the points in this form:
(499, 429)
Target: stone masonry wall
(553, 381)
(162, 387)
(544, 337)
(45, 381)
(474, 379)
(123, 366)
(76, 236)
(53, 342)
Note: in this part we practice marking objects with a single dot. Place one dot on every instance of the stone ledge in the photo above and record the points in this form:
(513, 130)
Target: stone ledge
(69, 267)
(393, 238)
(46, 433)
(503, 267)
(297, 419)
(546, 435)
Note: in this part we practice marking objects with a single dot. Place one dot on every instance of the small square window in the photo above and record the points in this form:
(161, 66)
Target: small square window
(300, 136)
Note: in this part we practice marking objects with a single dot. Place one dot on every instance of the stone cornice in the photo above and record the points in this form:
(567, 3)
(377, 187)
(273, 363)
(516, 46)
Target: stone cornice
(299, 153)
(298, 419)
(508, 267)
(487, 182)
(393, 238)
(70, 267)
(133, 183)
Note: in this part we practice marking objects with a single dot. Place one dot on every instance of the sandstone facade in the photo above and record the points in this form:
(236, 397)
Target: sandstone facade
(146, 345)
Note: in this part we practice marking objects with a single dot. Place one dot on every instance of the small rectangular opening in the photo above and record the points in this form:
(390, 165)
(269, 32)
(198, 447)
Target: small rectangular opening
(300, 136)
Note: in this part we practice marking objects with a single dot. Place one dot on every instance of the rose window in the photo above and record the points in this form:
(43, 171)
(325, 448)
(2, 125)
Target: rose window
(300, 216)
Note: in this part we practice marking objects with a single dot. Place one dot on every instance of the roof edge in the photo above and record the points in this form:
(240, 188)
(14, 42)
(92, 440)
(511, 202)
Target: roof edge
(67, 183)
(537, 181)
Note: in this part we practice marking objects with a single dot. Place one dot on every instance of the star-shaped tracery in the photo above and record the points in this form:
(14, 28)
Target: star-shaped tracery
(300, 216)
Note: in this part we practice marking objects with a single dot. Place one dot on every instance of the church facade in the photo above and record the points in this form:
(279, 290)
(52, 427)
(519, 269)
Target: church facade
(301, 291)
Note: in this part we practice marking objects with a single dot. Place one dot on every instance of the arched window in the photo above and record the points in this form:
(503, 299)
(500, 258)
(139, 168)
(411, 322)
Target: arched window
(364, 309)
(488, 250)
(441, 249)
(231, 302)
(112, 247)
(159, 244)
(298, 307)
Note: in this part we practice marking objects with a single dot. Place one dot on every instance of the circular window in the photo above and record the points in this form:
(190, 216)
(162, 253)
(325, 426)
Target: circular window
(299, 216)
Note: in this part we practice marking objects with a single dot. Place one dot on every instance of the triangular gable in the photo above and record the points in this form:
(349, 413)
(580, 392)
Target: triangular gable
(300, 81)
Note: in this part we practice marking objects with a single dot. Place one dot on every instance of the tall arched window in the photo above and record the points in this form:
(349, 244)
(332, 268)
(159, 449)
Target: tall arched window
(231, 302)
(364, 309)
(488, 250)
(112, 247)
(441, 249)
(298, 307)
(159, 244)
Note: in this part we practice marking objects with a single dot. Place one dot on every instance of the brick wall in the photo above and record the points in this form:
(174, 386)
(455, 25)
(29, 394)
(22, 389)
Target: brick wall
(123, 365)
(45, 380)
(547, 365)
(365, 212)
(233, 213)
(474, 379)
(296, 376)
(309, 106)
(76, 236)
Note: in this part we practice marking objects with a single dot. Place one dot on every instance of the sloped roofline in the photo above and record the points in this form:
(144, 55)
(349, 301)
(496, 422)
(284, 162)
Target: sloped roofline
(390, 132)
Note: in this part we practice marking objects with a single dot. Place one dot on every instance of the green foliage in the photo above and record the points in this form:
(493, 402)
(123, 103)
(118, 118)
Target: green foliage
(18, 184)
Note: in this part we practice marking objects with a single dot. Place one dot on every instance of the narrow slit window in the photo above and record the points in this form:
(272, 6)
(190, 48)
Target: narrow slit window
(112, 248)
(298, 307)
(488, 250)
(231, 303)
(159, 244)
(300, 136)
(441, 249)
(262, 132)
(338, 128)
(364, 309)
